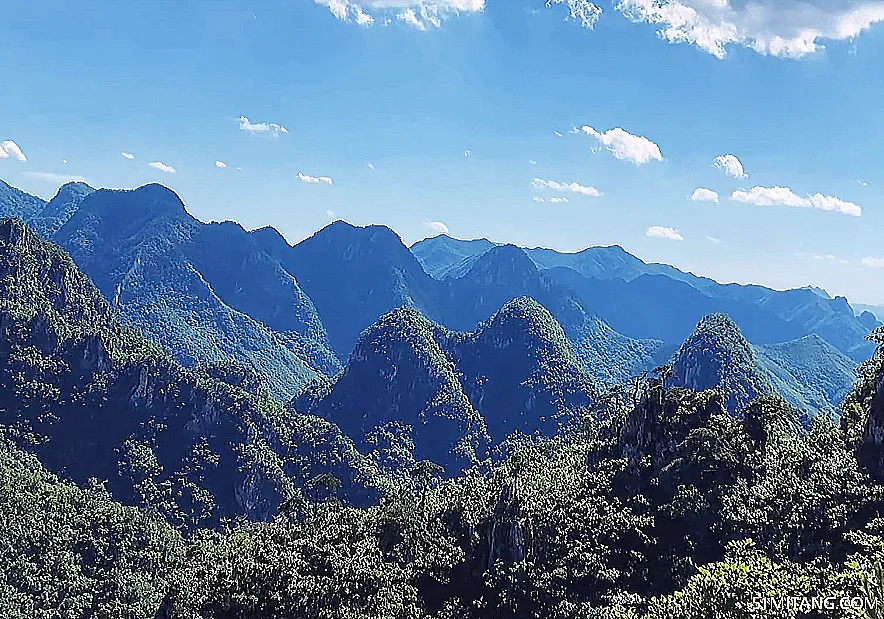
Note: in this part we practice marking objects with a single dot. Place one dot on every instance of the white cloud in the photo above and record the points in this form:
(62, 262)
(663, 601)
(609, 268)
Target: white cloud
(532, 162)
(64, 161)
(438, 227)
(712, 239)
(539, 183)
(831, 258)
(466, 153)
(330, 214)
(56, 179)
(261, 128)
(128, 155)
(370, 165)
(551, 200)
(625, 146)
(410, 17)
(730, 165)
(791, 29)
(783, 196)
(419, 14)
(162, 167)
(863, 183)
(664, 232)
(558, 134)
(704, 195)
(315, 179)
(584, 11)
(873, 262)
(11, 149)
(220, 164)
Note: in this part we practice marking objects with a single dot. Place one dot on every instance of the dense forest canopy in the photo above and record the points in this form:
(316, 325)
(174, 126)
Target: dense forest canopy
(134, 487)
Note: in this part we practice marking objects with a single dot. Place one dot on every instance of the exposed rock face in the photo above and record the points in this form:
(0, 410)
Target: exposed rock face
(870, 450)
(717, 356)
(510, 530)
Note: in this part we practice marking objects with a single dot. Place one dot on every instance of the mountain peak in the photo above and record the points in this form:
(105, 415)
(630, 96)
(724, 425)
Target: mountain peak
(73, 188)
(717, 356)
(501, 264)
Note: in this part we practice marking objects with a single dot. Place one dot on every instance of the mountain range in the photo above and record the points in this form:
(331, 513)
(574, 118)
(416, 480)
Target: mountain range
(94, 399)
(309, 318)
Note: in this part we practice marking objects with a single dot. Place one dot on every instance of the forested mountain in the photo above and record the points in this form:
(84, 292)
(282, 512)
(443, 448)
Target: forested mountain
(207, 292)
(16, 203)
(355, 275)
(649, 500)
(809, 373)
(615, 285)
(95, 399)
(717, 356)
(450, 396)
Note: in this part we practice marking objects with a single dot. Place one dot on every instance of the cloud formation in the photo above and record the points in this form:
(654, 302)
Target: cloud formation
(625, 146)
(783, 196)
(127, 155)
(873, 262)
(9, 148)
(419, 14)
(583, 11)
(790, 29)
(704, 195)
(830, 258)
(272, 129)
(162, 167)
(438, 227)
(539, 183)
(314, 179)
(551, 200)
(220, 164)
(712, 239)
(664, 232)
(56, 179)
(730, 165)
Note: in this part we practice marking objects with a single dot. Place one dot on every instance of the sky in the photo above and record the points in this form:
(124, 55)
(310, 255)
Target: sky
(736, 139)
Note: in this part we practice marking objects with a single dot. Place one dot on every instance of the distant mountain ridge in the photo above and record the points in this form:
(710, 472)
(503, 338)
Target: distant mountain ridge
(205, 291)
(616, 285)
(212, 292)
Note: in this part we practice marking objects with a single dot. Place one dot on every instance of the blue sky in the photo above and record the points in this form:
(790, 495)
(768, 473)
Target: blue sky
(790, 88)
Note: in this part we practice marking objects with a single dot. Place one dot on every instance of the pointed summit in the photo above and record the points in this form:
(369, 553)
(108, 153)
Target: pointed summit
(399, 374)
(355, 275)
(717, 356)
(61, 207)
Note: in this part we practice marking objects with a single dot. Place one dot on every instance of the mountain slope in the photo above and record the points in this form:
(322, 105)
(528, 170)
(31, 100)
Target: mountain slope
(205, 291)
(457, 393)
(615, 285)
(521, 372)
(717, 356)
(60, 208)
(92, 398)
(355, 275)
(506, 272)
(399, 373)
(443, 257)
(809, 373)
(17, 203)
